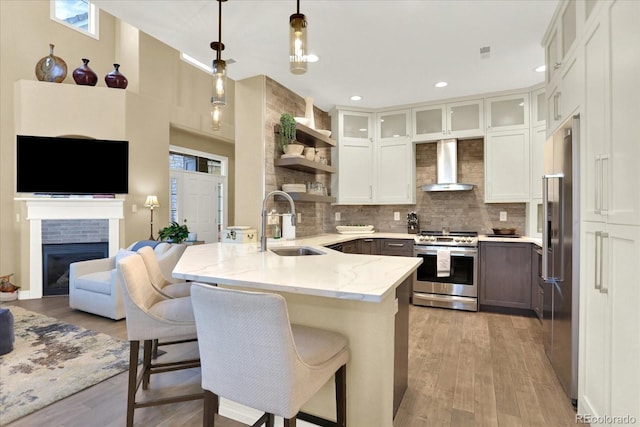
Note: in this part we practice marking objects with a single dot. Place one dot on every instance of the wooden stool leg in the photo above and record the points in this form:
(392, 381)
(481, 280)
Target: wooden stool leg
(341, 396)
(291, 422)
(134, 348)
(270, 420)
(211, 406)
(146, 363)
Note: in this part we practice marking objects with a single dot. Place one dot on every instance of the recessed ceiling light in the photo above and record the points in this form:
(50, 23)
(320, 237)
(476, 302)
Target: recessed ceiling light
(356, 98)
(312, 58)
(541, 69)
(441, 84)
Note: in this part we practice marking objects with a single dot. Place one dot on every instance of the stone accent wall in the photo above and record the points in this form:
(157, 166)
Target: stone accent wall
(280, 100)
(56, 231)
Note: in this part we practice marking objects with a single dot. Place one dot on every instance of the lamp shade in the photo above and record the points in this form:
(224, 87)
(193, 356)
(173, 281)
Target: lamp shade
(151, 202)
(219, 97)
(216, 117)
(297, 43)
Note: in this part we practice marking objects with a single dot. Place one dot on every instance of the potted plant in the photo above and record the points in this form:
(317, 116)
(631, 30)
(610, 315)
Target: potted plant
(288, 135)
(174, 233)
(8, 291)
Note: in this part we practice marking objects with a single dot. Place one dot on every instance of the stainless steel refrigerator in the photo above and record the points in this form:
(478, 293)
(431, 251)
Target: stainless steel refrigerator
(561, 253)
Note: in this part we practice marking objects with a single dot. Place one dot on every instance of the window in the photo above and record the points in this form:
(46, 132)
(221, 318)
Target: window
(81, 15)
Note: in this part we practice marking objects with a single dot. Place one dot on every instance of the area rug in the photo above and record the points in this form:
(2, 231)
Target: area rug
(52, 360)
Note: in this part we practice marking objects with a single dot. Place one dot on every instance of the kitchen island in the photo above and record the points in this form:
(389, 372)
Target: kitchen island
(356, 295)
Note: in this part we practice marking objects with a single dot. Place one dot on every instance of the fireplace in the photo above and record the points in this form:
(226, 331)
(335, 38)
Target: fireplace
(40, 210)
(56, 259)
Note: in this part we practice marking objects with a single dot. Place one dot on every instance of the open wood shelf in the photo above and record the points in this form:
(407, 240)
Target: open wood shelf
(304, 165)
(307, 136)
(305, 197)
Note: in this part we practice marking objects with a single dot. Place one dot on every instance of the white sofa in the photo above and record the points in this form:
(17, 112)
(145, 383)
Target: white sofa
(94, 285)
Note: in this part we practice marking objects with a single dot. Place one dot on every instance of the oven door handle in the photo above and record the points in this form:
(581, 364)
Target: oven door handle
(433, 250)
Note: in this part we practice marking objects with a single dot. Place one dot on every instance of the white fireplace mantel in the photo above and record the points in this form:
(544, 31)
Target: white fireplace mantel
(47, 208)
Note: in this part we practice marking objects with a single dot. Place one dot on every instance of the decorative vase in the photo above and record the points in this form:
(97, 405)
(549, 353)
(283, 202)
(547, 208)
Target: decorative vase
(51, 68)
(83, 75)
(308, 112)
(116, 79)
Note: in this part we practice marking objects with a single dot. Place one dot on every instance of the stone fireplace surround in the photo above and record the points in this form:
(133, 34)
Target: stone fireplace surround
(53, 208)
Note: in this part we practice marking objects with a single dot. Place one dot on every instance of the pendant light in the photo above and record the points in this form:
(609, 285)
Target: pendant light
(298, 42)
(216, 117)
(219, 97)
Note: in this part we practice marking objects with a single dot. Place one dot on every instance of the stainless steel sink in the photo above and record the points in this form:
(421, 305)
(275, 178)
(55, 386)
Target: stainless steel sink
(296, 251)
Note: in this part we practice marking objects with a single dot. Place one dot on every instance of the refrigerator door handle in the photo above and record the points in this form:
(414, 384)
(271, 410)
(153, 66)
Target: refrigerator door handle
(546, 238)
(597, 262)
(598, 186)
(604, 177)
(603, 235)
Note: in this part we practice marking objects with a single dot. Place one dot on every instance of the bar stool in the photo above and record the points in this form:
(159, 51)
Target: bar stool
(252, 354)
(151, 316)
(169, 288)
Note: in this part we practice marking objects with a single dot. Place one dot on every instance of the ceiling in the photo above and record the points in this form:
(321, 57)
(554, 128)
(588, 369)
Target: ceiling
(388, 52)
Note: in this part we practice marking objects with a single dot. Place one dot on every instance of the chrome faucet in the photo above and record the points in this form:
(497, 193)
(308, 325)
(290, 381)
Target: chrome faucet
(263, 235)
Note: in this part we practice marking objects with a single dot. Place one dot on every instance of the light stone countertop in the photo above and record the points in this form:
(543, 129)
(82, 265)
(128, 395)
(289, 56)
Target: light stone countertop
(521, 239)
(369, 278)
(335, 275)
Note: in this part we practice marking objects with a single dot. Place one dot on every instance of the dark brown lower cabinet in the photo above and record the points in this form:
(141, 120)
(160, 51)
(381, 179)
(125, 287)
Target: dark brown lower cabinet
(369, 246)
(505, 274)
(350, 247)
(537, 289)
(396, 247)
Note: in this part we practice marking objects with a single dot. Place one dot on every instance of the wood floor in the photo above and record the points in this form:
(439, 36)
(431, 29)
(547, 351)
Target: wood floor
(465, 369)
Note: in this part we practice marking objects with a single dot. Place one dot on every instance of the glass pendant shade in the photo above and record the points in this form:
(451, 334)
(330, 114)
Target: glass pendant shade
(216, 118)
(297, 43)
(219, 97)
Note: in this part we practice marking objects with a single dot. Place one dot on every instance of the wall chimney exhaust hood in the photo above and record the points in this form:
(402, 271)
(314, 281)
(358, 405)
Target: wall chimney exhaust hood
(447, 168)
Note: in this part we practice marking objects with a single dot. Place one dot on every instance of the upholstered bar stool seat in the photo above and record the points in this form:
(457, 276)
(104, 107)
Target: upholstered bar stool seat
(151, 316)
(252, 354)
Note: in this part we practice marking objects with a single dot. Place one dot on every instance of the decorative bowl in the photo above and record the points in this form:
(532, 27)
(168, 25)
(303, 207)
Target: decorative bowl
(294, 188)
(302, 120)
(325, 132)
(504, 231)
(294, 149)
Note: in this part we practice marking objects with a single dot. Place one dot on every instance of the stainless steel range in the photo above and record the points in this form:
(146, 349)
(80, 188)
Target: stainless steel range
(448, 275)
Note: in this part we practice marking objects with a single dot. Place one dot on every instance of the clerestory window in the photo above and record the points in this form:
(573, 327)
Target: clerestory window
(81, 15)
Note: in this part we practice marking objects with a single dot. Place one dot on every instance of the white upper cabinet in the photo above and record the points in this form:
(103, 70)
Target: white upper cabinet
(463, 119)
(354, 158)
(356, 126)
(508, 112)
(375, 159)
(561, 39)
(394, 124)
(538, 108)
(506, 166)
(611, 108)
(538, 138)
(394, 159)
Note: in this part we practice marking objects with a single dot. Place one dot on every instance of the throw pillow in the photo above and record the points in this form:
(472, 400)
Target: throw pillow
(142, 243)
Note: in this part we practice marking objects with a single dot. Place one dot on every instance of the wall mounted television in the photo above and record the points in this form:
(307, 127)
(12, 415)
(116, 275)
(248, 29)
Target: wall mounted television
(69, 166)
